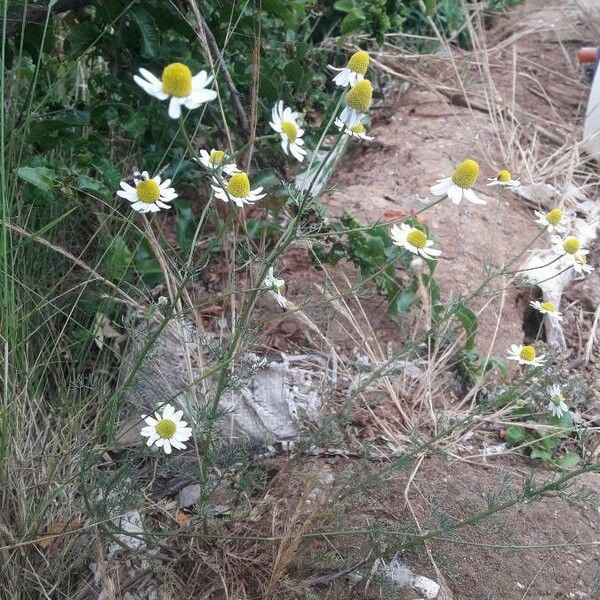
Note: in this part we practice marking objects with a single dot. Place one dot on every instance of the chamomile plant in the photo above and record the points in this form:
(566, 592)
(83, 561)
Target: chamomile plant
(460, 184)
(178, 86)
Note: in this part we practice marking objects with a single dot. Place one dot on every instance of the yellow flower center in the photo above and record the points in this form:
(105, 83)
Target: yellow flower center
(417, 238)
(359, 97)
(177, 80)
(148, 191)
(166, 428)
(555, 216)
(290, 129)
(239, 185)
(571, 245)
(504, 176)
(358, 128)
(359, 62)
(465, 175)
(548, 306)
(527, 353)
(216, 156)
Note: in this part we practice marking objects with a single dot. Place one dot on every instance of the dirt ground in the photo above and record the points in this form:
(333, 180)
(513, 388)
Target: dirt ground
(545, 550)
(534, 116)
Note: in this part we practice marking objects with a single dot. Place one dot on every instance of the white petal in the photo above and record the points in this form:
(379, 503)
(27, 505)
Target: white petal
(471, 196)
(200, 80)
(342, 79)
(198, 97)
(151, 88)
(442, 186)
(455, 194)
(148, 76)
(131, 196)
(127, 187)
(174, 108)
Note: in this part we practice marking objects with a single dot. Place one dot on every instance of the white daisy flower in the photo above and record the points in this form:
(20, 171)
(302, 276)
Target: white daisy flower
(504, 178)
(275, 287)
(525, 355)
(572, 253)
(580, 265)
(460, 184)
(217, 161)
(166, 431)
(546, 308)
(557, 405)
(414, 240)
(354, 71)
(149, 194)
(237, 190)
(552, 220)
(285, 122)
(178, 84)
(358, 102)
(358, 131)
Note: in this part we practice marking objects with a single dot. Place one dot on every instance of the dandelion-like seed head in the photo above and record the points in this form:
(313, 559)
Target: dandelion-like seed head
(177, 80)
(216, 156)
(465, 175)
(555, 216)
(359, 97)
(571, 245)
(239, 185)
(504, 176)
(148, 191)
(290, 129)
(528, 353)
(166, 428)
(359, 62)
(417, 238)
(547, 306)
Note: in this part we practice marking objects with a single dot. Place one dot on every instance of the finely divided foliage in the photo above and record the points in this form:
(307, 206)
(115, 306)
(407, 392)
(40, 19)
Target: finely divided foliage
(129, 335)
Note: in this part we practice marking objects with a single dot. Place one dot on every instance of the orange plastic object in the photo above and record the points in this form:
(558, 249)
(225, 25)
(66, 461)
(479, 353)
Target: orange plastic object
(587, 55)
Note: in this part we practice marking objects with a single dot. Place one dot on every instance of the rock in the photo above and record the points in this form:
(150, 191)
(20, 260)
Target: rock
(271, 402)
(189, 495)
(129, 523)
(402, 577)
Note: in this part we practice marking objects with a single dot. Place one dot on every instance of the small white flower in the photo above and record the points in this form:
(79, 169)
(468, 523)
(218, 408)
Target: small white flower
(580, 265)
(504, 179)
(552, 220)
(354, 71)
(572, 253)
(525, 355)
(149, 194)
(546, 308)
(557, 405)
(460, 184)
(358, 131)
(237, 190)
(275, 287)
(414, 240)
(285, 122)
(178, 84)
(217, 161)
(166, 431)
(358, 102)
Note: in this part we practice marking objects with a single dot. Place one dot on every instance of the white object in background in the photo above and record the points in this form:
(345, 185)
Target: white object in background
(591, 126)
